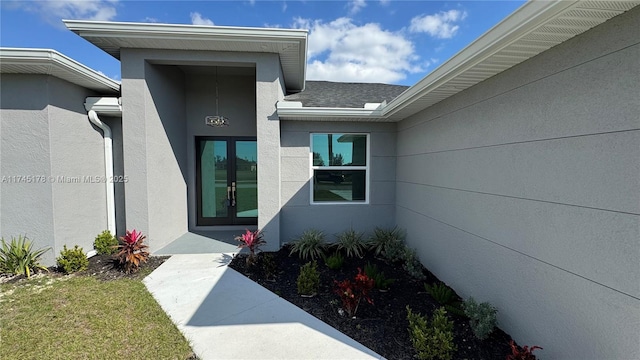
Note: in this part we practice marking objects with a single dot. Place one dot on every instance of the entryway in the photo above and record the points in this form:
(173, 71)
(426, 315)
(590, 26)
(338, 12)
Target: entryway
(202, 242)
(227, 181)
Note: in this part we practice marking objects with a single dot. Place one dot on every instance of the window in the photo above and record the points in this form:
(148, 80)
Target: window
(340, 168)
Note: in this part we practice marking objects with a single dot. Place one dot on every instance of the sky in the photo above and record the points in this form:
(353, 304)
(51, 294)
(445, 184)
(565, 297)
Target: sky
(381, 41)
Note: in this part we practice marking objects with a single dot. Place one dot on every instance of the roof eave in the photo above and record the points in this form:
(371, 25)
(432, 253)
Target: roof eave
(259, 36)
(286, 111)
(529, 18)
(56, 63)
(149, 29)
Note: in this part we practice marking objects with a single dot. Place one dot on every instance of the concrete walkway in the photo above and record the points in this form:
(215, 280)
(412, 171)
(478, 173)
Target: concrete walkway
(224, 315)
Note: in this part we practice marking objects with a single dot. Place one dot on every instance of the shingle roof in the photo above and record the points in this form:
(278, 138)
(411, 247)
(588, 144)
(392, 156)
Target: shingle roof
(344, 95)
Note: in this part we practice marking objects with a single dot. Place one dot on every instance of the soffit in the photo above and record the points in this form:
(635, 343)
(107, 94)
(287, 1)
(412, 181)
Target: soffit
(532, 29)
(53, 63)
(290, 45)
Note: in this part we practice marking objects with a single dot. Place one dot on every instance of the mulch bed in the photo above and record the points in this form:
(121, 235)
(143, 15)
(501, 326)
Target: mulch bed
(382, 327)
(102, 267)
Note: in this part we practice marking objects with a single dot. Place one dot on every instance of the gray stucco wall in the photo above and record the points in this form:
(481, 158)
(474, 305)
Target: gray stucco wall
(298, 214)
(524, 191)
(149, 88)
(154, 149)
(45, 133)
(269, 90)
(166, 135)
(237, 98)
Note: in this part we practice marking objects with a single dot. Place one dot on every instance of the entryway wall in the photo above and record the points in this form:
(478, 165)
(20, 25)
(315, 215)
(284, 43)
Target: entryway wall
(158, 150)
(236, 101)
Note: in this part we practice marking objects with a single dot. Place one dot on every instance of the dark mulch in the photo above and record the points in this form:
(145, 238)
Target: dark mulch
(102, 267)
(382, 327)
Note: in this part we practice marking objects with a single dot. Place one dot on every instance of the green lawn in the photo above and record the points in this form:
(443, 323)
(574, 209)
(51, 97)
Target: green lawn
(80, 317)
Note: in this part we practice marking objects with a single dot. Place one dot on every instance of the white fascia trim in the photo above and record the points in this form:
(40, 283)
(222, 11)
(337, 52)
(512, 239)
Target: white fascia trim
(131, 29)
(49, 57)
(529, 16)
(292, 109)
(127, 30)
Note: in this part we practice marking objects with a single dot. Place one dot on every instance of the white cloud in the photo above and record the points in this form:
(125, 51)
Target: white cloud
(197, 19)
(342, 51)
(150, 20)
(115, 77)
(441, 25)
(355, 6)
(53, 11)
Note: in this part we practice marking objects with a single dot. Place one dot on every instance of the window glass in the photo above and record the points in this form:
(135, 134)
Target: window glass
(337, 186)
(339, 167)
(339, 149)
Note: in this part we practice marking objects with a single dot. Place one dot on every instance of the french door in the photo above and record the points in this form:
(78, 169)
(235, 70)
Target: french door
(227, 181)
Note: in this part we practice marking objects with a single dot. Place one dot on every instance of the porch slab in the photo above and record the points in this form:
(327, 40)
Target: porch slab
(202, 243)
(224, 315)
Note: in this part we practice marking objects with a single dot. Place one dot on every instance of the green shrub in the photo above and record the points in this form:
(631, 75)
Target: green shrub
(388, 243)
(335, 261)
(310, 244)
(309, 279)
(412, 264)
(269, 265)
(432, 341)
(72, 260)
(440, 293)
(482, 317)
(379, 279)
(106, 243)
(19, 258)
(445, 296)
(352, 243)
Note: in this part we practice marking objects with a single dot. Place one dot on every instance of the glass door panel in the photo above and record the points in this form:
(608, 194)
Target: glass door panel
(227, 181)
(213, 179)
(246, 179)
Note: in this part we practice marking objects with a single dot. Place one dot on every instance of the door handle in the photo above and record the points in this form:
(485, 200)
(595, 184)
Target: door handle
(233, 193)
(228, 195)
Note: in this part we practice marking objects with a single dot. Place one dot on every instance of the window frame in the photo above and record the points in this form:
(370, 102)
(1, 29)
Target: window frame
(366, 168)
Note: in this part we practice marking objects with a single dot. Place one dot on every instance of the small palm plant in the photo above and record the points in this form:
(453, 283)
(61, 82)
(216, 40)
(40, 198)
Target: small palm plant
(19, 258)
(251, 240)
(132, 251)
(388, 243)
(380, 280)
(310, 244)
(352, 243)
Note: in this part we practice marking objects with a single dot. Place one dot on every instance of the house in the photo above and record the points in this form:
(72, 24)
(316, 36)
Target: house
(513, 166)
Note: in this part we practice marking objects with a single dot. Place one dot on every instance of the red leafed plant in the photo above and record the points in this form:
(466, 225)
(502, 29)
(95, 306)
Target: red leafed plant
(131, 251)
(351, 292)
(525, 354)
(251, 240)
